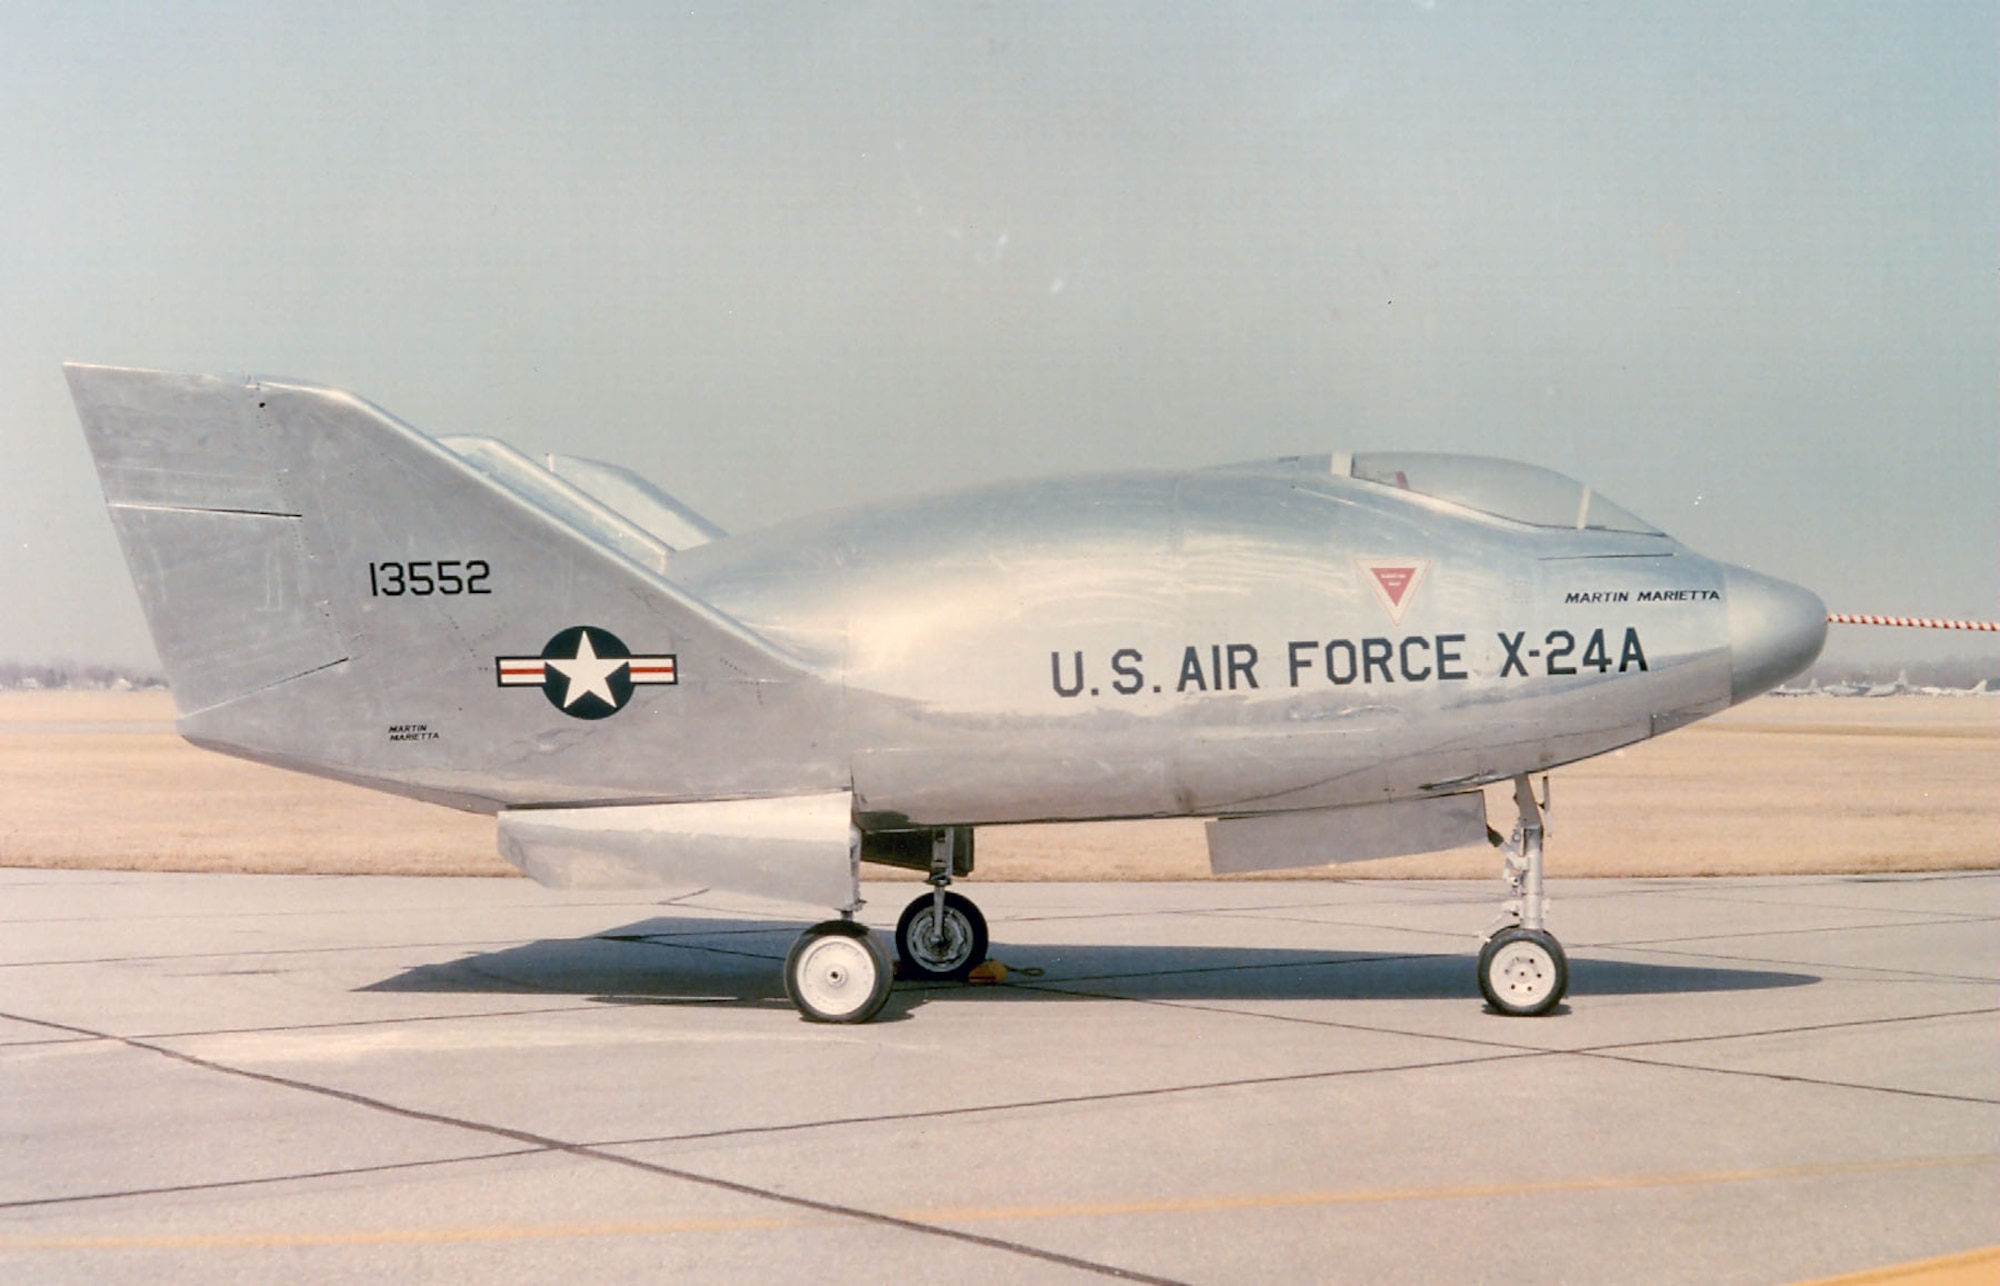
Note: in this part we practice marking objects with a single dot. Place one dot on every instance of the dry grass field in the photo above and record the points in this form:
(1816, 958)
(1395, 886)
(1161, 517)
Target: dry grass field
(1778, 786)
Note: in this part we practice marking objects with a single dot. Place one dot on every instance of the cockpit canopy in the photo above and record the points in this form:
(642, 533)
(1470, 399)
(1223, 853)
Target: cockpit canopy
(1504, 488)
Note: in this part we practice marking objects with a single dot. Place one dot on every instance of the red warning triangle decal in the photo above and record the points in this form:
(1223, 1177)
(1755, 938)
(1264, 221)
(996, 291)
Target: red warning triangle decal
(1394, 581)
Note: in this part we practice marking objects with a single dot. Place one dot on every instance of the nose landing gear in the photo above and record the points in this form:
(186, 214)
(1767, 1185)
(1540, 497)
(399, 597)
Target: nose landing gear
(1522, 969)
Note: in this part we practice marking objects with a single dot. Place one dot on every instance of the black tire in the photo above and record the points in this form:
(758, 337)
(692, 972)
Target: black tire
(924, 957)
(837, 972)
(1523, 972)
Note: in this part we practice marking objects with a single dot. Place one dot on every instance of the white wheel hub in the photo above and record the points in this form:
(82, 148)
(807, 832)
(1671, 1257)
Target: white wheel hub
(1523, 973)
(836, 974)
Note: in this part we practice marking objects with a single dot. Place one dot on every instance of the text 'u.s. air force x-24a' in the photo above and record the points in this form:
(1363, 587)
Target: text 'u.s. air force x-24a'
(1326, 655)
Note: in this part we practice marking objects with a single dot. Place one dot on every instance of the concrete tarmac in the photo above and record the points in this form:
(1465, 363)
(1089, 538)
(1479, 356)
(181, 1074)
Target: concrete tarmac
(319, 1078)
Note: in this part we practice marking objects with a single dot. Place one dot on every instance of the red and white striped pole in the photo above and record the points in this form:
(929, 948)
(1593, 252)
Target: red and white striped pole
(1915, 622)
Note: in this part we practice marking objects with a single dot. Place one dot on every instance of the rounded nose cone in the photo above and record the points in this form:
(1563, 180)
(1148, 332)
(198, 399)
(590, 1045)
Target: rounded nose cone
(1776, 629)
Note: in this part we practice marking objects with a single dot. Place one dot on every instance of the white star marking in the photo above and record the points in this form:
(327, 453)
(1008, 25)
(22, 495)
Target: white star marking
(588, 674)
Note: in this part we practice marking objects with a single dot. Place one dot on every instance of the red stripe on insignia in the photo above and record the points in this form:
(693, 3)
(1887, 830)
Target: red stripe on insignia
(522, 673)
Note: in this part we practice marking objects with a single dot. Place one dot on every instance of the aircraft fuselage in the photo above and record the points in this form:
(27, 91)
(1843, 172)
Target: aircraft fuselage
(1228, 641)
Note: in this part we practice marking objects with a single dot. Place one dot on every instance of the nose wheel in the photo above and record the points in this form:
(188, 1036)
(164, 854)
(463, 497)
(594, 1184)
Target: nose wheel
(837, 972)
(1523, 972)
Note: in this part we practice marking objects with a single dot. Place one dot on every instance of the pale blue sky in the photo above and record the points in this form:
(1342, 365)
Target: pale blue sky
(1739, 265)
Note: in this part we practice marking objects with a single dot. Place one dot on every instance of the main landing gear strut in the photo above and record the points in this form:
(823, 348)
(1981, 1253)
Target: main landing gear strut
(1522, 969)
(940, 936)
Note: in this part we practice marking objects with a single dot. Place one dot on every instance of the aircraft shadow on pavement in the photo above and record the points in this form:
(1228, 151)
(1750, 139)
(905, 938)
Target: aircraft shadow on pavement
(704, 961)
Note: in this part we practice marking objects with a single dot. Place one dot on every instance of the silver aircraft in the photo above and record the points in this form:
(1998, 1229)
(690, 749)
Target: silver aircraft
(1327, 656)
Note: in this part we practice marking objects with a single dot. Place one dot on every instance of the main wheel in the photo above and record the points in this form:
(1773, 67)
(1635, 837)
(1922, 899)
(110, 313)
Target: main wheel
(1523, 972)
(930, 955)
(837, 972)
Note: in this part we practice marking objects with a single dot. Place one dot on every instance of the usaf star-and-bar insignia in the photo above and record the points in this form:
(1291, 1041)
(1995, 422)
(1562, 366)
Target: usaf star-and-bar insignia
(585, 672)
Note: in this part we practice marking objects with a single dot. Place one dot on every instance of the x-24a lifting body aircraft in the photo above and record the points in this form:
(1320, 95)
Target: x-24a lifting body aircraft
(1327, 656)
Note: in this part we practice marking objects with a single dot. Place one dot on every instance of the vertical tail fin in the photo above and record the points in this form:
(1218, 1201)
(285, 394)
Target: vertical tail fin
(332, 591)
